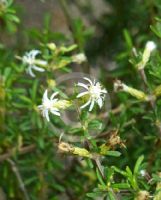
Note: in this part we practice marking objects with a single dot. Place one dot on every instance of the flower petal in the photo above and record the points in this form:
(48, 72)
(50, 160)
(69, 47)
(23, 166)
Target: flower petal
(87, 79)
(39, 69)
(53, 95)
(55, 112)
(91, 106)
(47, 115)
(45, 95)
(54, 109)
(82, 94)
(29, 71)
(100, 102)
(40, 107)
(82, 85)
(86, 104)
(41, 62)
(104, 91)
(34, 53)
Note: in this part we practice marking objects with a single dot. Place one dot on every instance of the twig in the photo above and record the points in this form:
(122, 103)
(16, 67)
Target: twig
(23, 150)
(19, 178)
(151, 100)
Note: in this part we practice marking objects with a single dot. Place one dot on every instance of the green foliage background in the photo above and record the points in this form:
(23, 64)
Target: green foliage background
(30, 165)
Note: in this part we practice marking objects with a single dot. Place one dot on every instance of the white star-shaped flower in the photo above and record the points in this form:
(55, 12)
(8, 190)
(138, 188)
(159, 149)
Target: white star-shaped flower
(150, 45)
(30, 59)
(95, 91)
(48, 105)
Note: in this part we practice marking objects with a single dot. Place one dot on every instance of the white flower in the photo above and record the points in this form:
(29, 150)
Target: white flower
(79, 58)
(49, 105)
(142, 172)
(30, 59)
(95, 92)
(150, 45)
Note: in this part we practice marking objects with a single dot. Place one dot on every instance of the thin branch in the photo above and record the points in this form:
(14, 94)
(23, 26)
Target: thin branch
(19, 178)
(152, 101)
(23, 150)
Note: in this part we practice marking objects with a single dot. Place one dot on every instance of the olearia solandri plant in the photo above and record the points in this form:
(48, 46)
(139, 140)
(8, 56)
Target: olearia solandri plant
(59, 140)
(88, 97)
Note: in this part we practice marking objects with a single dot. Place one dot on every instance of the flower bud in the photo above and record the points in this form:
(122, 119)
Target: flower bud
(62, 104)
(52, 46)
(79, 58)
(119, 86)
(82, 152)
(157, 91)
(51, 83)
(67, 148)
(149, 47)
(142, 195)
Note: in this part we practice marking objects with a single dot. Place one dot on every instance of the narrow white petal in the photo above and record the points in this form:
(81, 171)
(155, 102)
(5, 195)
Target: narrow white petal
(53, 95)
(87, 79)
(40, 106)
(47, 115)
(82, 94)
(29, 70)
(42, 62)
(55, 113)
(43, 112)
(53, 100)
(54, 109)
(86, 104)
(104, 91)
(34, 53)
(82, 85)
(45, 95)
(91, 106)
(39, 69)
(100, 102)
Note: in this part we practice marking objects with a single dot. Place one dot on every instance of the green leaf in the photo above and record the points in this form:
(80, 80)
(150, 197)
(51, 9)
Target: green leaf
(111, 196)
(113, 153)
(127, 38)
(95, 125)
(156, 29)
(100, 178)
(94, 194)
(120, 186)
(119, 171)
(138, 164)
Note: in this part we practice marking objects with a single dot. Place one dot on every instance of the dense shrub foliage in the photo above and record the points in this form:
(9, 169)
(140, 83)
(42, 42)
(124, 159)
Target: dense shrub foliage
(80, 114)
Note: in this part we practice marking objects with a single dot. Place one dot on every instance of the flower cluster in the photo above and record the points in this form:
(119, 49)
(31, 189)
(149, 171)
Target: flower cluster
(48, 105)
(30, 59)
(94, 90)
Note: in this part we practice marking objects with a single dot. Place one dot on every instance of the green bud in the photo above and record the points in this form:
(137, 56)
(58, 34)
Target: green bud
(52, 46)
(157, 91)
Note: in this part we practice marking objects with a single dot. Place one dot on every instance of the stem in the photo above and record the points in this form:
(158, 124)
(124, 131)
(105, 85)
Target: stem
(96, 159)
(143, 76)
(23, 150)
(2, 105)
(152, 101)
(19, 178)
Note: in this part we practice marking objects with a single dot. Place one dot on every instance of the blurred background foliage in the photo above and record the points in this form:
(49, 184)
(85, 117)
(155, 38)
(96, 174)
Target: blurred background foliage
(107, 31)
